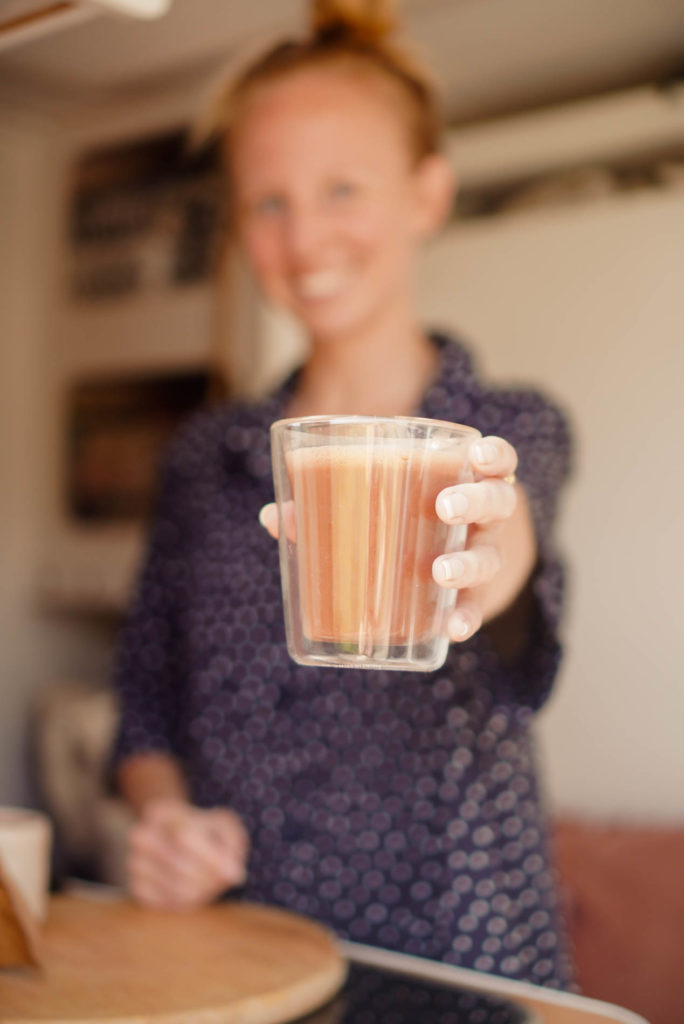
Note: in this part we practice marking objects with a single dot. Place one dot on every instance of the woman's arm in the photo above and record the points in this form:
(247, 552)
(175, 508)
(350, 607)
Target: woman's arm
(179, 856)
(150, 776)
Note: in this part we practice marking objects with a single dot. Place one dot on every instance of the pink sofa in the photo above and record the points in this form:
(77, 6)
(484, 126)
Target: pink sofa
(625, 897)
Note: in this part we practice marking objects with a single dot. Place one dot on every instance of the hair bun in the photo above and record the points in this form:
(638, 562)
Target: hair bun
(364, 21)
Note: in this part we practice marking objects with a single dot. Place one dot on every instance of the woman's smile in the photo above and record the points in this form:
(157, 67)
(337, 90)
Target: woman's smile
(318, 285)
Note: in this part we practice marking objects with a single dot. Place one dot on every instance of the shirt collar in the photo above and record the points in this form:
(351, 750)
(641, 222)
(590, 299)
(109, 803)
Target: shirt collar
(249, 432)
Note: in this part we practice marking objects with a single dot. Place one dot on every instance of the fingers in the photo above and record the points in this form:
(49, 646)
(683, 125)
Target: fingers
(471, 568)
(157, 874)
(227, 829)
(209, 856)
(468, 571)
(492, 456)
(182, 858)
(492, 497)
(268, 517)
(466, 618)
(487, 501)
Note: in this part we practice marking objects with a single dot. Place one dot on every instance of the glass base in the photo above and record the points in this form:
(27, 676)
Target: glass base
(419, 657)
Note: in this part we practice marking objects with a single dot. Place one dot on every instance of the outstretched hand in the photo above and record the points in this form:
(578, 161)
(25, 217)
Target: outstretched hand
(500, 550)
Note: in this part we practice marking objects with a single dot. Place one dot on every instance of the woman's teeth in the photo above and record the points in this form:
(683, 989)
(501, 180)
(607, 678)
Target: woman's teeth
(320, 284)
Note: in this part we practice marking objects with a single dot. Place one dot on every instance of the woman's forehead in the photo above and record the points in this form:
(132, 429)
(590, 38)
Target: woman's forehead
(321, 106)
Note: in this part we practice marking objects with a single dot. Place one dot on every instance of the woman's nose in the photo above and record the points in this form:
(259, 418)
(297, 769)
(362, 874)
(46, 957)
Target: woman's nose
(305, 233)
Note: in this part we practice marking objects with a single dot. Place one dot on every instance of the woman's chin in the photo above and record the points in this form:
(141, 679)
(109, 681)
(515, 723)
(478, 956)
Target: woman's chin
(333, 320)
(327, 325)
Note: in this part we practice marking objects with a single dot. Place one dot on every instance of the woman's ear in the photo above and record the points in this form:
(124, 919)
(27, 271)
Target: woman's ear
(435, 188)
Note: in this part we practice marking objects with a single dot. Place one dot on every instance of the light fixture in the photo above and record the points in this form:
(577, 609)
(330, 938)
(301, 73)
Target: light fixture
(24, 20)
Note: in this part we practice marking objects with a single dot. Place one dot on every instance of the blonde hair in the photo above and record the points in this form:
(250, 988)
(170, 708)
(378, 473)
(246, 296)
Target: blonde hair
(353, 34)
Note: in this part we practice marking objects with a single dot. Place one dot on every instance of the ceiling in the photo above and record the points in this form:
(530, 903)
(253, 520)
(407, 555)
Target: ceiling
(492, 57)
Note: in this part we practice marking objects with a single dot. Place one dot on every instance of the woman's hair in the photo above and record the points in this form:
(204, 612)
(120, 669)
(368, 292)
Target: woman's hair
(356, 35)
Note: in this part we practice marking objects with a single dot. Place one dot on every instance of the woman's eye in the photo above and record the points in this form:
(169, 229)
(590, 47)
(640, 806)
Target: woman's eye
(342, 189)
(269, 205)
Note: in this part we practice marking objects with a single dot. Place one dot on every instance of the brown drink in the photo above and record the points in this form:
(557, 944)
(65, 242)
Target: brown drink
(367, 535)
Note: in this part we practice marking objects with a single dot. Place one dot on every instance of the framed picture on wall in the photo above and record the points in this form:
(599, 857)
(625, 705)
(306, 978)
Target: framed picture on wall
(118, 429)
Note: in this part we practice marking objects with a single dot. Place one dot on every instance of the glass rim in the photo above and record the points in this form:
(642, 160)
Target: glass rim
(342, 420)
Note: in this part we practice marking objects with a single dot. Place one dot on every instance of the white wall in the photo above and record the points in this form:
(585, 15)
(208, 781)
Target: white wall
(39, 345)
(587, 302)
(23, 156)
(35, 649)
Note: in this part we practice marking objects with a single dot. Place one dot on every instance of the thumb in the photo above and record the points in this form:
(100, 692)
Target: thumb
(268, 517)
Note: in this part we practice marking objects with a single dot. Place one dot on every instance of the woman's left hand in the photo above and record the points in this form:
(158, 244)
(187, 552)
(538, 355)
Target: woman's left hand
(500, 550)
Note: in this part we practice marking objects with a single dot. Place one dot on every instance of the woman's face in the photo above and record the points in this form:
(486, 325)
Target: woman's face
(329, 202)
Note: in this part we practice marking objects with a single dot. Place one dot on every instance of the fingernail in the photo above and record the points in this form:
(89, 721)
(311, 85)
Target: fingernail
(485, 452)
(449, 569)
(263, 515)
(460, 627)
(452, 506)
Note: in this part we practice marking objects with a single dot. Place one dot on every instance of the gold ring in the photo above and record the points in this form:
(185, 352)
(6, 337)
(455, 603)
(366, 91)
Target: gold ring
(510, 479)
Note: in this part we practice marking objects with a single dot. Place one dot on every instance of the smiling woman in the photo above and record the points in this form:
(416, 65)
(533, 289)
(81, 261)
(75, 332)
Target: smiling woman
(400, 808)
(316, 201)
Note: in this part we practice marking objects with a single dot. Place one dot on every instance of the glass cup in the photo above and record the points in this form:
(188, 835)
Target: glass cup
(358, 533)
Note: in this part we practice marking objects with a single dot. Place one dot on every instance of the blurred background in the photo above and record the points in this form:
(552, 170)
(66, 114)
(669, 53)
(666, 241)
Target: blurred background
(120, 311)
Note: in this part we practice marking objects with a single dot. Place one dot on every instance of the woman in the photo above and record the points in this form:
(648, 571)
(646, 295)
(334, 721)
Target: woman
(401, 809)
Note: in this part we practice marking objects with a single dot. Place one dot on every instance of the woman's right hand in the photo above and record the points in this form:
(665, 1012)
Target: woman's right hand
(181, 857)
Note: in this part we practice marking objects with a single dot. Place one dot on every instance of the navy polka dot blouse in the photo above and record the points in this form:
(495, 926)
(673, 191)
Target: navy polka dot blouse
(401, 809)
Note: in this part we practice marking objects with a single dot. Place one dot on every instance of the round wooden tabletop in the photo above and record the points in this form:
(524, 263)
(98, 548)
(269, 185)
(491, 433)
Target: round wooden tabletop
(114, 962)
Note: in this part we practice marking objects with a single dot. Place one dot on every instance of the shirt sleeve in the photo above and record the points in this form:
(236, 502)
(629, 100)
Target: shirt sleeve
(540, 433)
(147, 665)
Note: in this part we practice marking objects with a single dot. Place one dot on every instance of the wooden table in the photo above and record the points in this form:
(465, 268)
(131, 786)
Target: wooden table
(116, 962)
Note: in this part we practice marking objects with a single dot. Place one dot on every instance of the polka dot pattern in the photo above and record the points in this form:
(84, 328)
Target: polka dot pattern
(401, 809)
